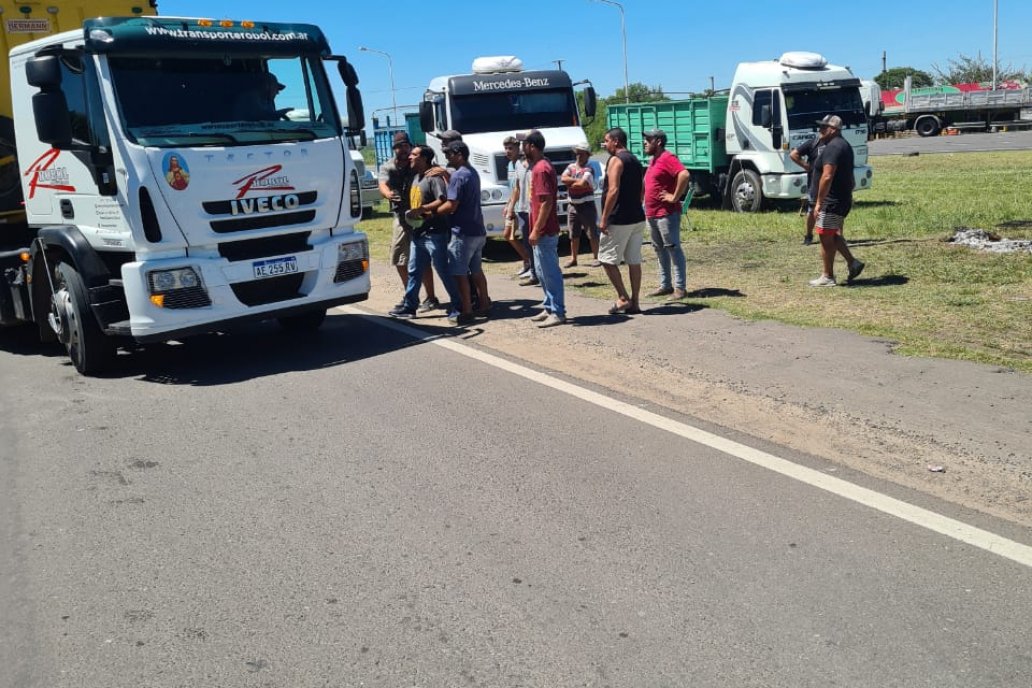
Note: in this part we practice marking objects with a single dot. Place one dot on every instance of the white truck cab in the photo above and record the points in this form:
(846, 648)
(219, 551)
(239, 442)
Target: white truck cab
(773, 107)
(500, 99)
(169, 189)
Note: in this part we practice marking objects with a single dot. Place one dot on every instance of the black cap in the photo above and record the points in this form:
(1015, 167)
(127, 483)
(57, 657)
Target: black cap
(534, 138)
(449, 136)
(457, 147)
(658, 134)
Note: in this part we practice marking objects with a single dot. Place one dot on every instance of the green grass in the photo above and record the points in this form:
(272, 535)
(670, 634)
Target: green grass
(933, 298)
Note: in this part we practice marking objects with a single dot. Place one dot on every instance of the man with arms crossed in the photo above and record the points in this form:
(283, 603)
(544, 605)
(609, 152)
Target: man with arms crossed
(666, 182)
(579, 178)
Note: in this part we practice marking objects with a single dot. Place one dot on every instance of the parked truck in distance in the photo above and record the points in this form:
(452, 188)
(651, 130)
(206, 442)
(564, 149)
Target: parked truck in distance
(736, 143)
(179, 176)
(497, 100)
(929, 110)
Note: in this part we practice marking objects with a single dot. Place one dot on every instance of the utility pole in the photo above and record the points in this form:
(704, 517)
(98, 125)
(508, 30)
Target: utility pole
(711, 89)
(558, 64)
(623, 30)
(883, 57)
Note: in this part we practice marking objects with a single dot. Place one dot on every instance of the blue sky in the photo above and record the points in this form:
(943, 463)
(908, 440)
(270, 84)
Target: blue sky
(677, 44)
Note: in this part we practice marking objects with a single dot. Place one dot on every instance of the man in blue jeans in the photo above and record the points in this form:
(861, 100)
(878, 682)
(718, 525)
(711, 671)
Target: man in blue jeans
(544, 229)
(666, 182)
(429, 232)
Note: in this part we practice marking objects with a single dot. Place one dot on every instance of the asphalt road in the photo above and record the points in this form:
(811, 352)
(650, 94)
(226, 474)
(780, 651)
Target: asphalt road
(962, 143)
(363, 509)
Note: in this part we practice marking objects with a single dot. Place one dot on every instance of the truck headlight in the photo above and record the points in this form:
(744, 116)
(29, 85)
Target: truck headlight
(164, 281)
(356, 250)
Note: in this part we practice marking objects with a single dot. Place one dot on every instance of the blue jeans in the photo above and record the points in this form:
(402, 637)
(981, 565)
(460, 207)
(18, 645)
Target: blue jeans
(546, 266)
(524, 220)
(425, 250)
(666, 238)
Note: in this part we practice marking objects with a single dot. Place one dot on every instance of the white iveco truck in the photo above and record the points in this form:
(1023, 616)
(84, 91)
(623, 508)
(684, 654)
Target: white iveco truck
(169, 191)
(497, 100)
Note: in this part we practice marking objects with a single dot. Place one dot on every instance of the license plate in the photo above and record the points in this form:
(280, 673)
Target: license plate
(274, 267)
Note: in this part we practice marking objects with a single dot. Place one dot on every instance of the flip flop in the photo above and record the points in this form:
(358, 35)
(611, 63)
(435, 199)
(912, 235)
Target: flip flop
(617, 309)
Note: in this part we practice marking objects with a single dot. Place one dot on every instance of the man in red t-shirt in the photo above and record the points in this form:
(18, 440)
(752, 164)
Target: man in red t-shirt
(544, 229)
(666, 182)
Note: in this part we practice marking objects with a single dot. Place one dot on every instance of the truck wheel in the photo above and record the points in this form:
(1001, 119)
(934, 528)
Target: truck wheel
(71, 318)
(927, 126)
(746, 192)
(309, 321)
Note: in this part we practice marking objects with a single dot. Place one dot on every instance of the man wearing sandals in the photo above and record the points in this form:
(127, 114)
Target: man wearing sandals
(544, 229)
(666, 182)
(623, 220)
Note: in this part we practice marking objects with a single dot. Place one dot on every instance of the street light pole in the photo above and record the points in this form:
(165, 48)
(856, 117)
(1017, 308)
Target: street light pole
(390, 74)
(623, 31)
(996, 14)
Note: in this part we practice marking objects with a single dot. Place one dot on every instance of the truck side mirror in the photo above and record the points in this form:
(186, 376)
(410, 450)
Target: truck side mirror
(426, 116)
(356, 110)
(53, 124)
(868, 107)
(765, 116)
(590, 101)
(362, 140)
(44, 72)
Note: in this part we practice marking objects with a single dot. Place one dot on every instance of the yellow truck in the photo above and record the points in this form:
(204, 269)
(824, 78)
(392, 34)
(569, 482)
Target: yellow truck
(21, 22)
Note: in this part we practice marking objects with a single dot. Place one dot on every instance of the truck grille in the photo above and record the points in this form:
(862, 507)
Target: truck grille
(348, 270)
(190, 297)
(270, 290)
(263, 221)
(249, 249)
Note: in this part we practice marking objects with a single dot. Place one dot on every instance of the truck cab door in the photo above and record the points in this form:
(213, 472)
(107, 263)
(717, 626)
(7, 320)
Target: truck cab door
(766, 117)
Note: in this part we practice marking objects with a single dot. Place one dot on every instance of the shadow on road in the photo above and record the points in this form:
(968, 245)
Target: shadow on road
(254, 351)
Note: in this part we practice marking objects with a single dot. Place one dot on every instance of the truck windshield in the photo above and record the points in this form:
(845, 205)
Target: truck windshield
(223, 101)
(806, 107)
(501, 111)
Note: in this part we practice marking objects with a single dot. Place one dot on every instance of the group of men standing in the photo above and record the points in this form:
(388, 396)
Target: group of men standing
(439, 226)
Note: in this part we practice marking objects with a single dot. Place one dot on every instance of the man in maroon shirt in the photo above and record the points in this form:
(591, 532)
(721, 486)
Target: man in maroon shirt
(666, 182)
(544, 229)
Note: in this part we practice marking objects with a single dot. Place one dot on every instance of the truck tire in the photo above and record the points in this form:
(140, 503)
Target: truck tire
(71, 318)
(927, 125)
(308, 321)
(746, 192)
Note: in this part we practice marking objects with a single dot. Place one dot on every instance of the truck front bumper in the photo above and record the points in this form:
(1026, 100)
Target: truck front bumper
(793, 185)
(230, 291)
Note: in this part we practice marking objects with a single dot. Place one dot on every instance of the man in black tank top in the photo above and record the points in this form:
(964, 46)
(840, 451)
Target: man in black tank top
(623, 220)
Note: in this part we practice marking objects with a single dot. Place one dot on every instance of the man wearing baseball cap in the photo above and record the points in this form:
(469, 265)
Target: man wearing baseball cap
(395, 180)
(581, 214)
(834, 176)
(666, 182)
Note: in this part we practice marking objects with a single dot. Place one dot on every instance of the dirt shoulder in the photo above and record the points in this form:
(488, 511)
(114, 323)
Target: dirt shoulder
(828, 393)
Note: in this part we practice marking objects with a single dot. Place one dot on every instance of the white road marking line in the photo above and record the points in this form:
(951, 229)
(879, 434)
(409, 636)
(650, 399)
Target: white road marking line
(983, 539)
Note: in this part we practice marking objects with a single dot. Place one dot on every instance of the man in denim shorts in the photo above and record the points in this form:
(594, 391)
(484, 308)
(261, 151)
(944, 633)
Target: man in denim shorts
(468, 234)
